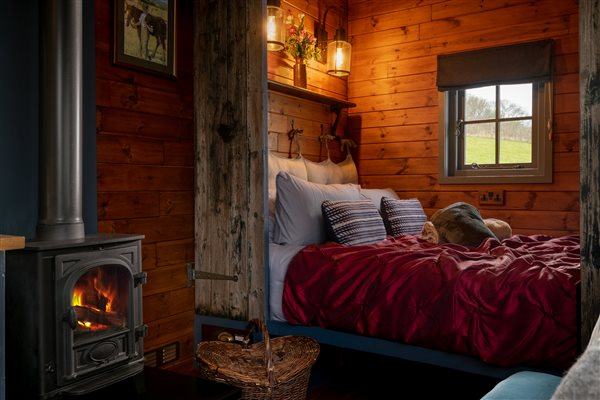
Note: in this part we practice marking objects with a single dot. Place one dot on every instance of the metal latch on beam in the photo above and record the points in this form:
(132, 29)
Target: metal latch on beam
(193, 275)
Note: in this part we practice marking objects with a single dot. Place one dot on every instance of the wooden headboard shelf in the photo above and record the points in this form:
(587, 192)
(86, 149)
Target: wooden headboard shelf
(335, 105)
(310, 95)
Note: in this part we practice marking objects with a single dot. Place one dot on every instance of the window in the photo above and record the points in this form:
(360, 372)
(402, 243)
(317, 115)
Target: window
(496, 115)
(496, 133)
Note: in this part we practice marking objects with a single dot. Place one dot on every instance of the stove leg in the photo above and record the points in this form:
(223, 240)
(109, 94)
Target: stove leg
(139, 383)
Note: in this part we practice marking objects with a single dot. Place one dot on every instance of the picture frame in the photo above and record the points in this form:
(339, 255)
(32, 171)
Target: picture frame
(144, 35)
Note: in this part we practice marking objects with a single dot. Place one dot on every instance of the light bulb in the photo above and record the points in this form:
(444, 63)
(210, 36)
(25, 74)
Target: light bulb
(275, 31)
(339, 58)
(271, 28)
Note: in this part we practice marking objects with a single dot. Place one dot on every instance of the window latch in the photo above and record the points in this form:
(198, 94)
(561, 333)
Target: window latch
(459, 127)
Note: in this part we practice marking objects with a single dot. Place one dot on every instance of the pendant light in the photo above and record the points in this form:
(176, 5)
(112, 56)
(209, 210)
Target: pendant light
(339, 52)
(275, 28)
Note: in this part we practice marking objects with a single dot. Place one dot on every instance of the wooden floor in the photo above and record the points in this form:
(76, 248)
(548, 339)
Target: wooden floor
(352, 375)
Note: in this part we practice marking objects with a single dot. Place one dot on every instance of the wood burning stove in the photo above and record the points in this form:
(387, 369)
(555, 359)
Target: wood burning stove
(74, 315)
(73, 302)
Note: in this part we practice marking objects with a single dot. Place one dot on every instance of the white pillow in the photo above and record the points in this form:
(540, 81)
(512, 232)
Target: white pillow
(294, 166)
(348, 169)
(298, 216)
(376, 194)
(325, 172)
(272, 197)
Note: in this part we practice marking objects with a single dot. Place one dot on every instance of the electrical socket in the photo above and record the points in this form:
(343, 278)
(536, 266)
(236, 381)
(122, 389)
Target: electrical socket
(491, 197)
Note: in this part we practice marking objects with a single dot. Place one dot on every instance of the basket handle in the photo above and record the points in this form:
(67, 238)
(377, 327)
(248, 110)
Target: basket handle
(268, 354)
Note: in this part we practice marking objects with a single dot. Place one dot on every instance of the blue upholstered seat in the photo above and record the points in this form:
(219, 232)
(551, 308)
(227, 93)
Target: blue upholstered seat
(582, 380)
(524, 385)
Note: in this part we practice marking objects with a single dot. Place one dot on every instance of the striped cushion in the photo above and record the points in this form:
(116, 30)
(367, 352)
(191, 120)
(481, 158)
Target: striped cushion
(402, 217)
(353, 222)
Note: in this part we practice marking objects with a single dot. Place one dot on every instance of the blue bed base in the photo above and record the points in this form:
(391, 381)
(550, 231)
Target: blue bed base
(374, 345)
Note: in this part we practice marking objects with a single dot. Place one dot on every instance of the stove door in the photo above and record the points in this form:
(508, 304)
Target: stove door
(96, 310)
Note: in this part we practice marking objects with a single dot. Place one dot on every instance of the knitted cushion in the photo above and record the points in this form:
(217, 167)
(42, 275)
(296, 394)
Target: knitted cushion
(402, 217)
(353, 222)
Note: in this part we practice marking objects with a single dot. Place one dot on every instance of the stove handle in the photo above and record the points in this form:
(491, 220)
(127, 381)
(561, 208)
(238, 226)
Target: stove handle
(71, 318)
(140, 278)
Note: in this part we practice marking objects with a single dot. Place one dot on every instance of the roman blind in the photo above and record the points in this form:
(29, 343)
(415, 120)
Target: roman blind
(518, 63)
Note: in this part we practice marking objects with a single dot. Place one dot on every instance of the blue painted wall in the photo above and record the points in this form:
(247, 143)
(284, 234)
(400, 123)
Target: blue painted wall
(19, 119)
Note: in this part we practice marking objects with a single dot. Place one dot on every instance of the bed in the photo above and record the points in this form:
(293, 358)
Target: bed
(493, 309)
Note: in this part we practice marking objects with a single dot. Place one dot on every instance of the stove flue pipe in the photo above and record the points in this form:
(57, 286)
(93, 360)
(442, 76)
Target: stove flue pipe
(60, 198)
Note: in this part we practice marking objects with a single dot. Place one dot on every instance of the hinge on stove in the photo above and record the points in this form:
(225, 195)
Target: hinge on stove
(141, 331)
(193, 275)
(140, 278)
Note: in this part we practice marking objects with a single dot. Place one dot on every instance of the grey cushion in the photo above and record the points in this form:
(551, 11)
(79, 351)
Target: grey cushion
(375, 195)
(298, 216)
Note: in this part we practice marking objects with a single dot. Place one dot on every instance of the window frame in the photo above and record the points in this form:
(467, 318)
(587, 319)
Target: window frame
(540, 169)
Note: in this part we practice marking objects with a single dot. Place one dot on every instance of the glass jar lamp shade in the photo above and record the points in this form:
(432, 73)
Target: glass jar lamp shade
(339, 52)
(275, 31)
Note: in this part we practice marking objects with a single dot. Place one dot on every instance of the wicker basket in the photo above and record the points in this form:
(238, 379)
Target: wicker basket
(274, 369)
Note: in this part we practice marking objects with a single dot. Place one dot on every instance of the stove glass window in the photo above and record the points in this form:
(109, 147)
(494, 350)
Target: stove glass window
(101, 299)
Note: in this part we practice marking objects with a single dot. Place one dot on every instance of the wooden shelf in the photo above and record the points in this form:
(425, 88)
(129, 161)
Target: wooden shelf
(335, 104)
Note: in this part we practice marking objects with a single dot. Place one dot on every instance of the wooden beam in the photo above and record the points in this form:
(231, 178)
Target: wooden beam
(230, 98)
(589, 80)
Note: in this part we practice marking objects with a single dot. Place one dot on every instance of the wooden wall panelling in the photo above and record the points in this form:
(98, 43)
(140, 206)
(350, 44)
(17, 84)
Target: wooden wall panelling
(229, 104)
(117, 149)
(149, 256)
(169, 329)
(166, 304)
(463, 21)
(396, 118)
(145, 124)
(306, 115)
(590, 166)
(119, 205)
(449, 9)
(362, 8)
(145, 174)
(453, 42)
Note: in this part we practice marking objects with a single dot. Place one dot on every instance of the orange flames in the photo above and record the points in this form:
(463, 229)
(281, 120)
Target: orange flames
(93, 299)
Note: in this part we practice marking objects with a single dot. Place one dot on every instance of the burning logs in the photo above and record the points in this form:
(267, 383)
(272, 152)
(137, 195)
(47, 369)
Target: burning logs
(95, 319)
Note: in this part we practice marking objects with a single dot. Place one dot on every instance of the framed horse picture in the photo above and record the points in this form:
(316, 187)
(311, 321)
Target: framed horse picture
(144, 35)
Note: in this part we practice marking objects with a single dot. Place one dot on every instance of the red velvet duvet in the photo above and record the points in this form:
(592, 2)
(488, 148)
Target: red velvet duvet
(507, 303)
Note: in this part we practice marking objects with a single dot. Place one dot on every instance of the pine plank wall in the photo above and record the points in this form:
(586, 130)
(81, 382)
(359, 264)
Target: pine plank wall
(145, 126)
(145, 164)
(395, 44)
